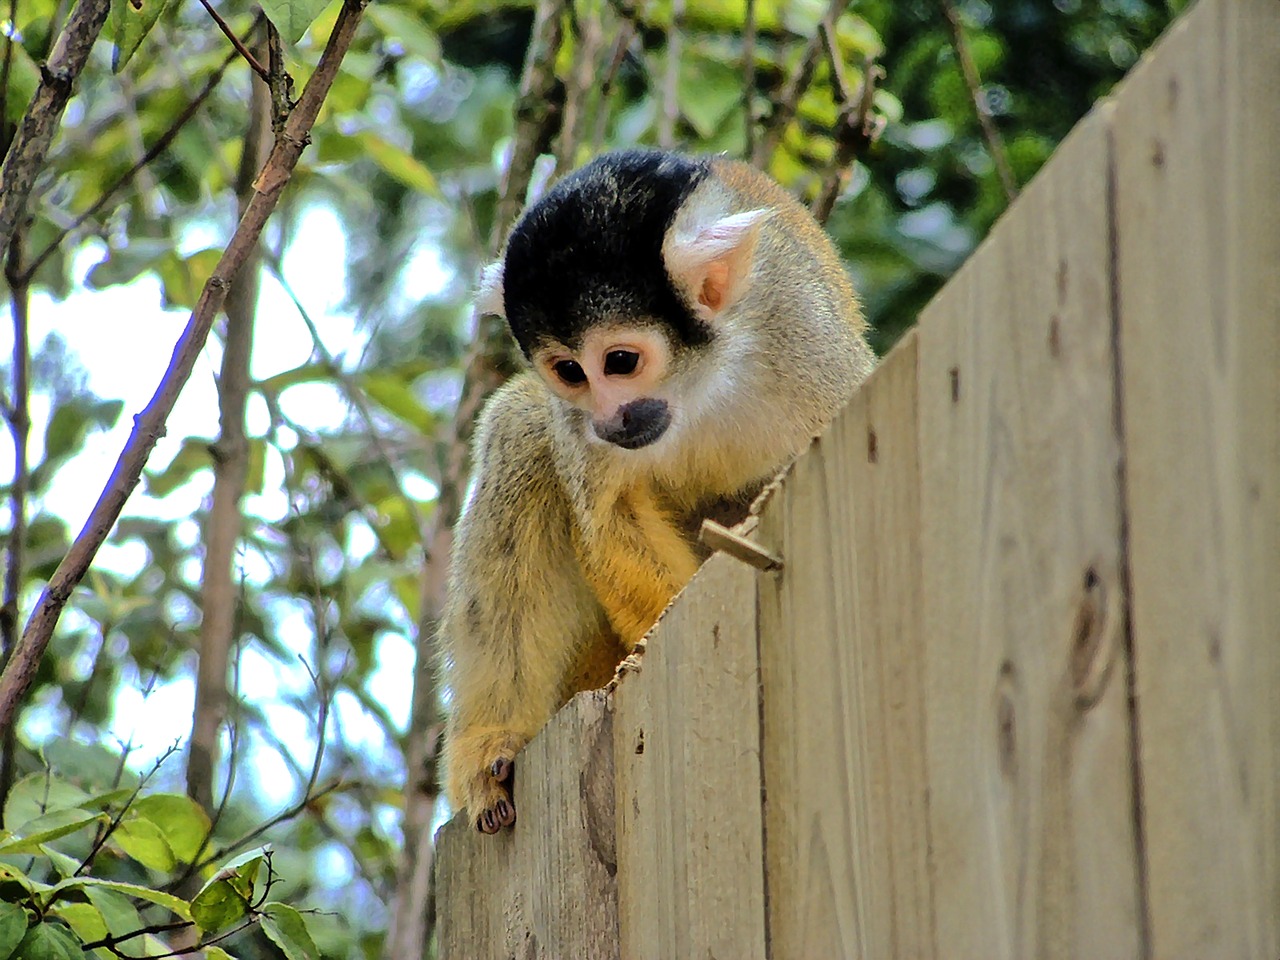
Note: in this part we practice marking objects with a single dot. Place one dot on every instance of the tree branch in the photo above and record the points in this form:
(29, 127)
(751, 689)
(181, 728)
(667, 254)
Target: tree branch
(671, 78)
(218, 595)
(995, 143)
(157, 148)
(856, 127)
(19, 419)
(749, 79)
(149, 425)
(492, 361)
(241, 49)
(357, 397)
(788, 102)
(26, 155)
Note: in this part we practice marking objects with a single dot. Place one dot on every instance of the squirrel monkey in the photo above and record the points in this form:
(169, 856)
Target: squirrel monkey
(690, 329)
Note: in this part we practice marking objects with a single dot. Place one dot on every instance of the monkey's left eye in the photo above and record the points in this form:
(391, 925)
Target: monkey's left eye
(570, 371)
(621, 362)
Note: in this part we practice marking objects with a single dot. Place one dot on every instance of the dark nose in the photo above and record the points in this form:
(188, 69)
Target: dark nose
(636, 424)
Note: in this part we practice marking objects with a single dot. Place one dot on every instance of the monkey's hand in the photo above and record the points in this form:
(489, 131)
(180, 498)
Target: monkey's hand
(483, 764)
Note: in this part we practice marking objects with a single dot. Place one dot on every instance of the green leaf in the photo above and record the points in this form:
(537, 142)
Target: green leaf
(131, 21)
(182, 279)
(192, 457)
(181, 821)
(118, 911)
(218, 905)
(159, 897)
(292, 17)
(399, 163)
(307, 373)
(37, 794)
(146, 843)
(708, 90)
(24, 78)
(257, 466)
(66, 866)
(287, 930)
(11, 873)
(126, 263)
(84, 919)
(225, 898)
(407, 29)
(49, 941)
(395, 396)
(217, 953)
(72, 421)
(13, 927)
(87, 765)
(51, 826)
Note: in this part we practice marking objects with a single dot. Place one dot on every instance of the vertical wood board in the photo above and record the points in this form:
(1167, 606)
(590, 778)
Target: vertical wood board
(846, 825)
(546, 889)
(686, 736)
(1197, 143)
(1028, 735)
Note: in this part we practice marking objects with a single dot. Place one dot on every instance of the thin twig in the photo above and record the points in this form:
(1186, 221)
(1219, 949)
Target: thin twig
(671, 78)
(287, 814)
(149, 425)
(856, 127)
(582, 80)
(218, 596)
(26, 154)
(995, 143)
(749, 79)
(19, 419)
(105, 835)
(280, 82)
(241, 49)
(275, 264)
(626, 33)
(157, 148)
(788, 102)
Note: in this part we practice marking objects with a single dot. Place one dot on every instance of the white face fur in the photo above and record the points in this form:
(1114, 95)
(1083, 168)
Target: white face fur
(632, 386)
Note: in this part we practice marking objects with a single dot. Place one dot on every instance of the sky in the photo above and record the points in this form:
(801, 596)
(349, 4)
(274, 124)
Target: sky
(128, 368)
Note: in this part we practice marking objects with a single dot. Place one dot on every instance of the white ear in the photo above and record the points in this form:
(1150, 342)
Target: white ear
(489, 298)
(711, 261)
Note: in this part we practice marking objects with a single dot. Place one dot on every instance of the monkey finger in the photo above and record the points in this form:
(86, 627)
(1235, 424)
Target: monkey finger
(505, 812)
(501, 769)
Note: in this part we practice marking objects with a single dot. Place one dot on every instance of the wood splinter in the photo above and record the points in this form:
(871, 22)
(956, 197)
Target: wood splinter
(721, 538)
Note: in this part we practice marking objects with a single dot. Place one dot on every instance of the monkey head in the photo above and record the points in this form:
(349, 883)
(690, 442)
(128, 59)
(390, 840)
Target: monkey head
(620, 286)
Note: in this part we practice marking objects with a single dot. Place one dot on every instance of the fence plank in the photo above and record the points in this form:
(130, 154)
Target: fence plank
(686, 734)
(544, 890)
(1198, 191)
(1028, 737)
(846, 831)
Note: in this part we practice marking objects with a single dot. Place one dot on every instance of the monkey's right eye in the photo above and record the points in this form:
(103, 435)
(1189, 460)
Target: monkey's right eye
(570, 371)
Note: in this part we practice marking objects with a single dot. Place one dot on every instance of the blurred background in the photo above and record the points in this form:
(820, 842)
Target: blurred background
(310, 615)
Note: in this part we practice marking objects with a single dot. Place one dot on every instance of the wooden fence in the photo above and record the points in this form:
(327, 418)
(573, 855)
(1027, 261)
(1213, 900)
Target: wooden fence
(1016, 692)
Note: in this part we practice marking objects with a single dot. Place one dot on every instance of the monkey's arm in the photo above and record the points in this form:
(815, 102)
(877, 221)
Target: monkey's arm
(519, 614)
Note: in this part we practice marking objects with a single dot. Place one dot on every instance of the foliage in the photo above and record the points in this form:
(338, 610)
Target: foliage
(349, 433)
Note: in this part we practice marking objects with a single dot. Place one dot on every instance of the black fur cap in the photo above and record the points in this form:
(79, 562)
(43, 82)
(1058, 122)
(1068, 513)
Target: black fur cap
(591, 250)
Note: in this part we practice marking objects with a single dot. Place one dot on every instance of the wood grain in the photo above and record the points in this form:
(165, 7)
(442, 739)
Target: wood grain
(546, 889)
(1197, 138)
(840, 643)
(686, 736)
(1028, 741)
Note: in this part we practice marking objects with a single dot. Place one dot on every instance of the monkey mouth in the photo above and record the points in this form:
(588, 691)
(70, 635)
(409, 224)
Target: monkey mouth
(636, 441)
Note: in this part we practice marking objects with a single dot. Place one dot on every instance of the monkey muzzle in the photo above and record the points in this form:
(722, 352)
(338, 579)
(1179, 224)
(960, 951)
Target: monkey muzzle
(636, 424)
